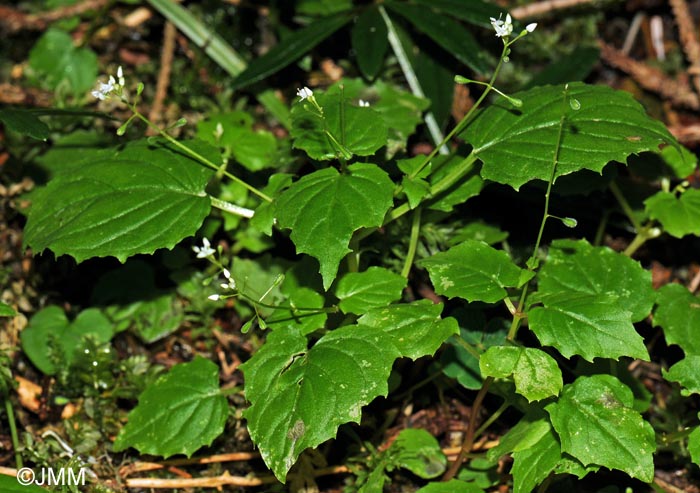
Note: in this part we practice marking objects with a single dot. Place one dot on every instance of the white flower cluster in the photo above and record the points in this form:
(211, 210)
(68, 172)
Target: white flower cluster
(205, 250)
(112, 87)
(304, 93)
(504, 28)
(229, 285)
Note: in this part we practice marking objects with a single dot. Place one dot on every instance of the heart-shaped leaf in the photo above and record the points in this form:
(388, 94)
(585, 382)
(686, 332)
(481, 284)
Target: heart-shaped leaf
(472, 270)
(360, 291)
(679, 216)
(325, 207)
(598, 125)
(181, 412)
(143, 198)
(596, 424)
(50, 333)
(678, 313)
(536, 374)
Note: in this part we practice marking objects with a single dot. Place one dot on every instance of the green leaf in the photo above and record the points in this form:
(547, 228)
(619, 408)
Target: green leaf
(531, 466)
(6, 310)
(467, 187)
(9, 484)
(597, 425)
(233, 131)
(536, 374)
(449, 34)
(694, 445)
(687, 373)
(462, 365)
(322, 7)
(679, 216)
(517, 146)
(419, 452)
(181, 412)
(479, 231)
(678, 313)
(54, 59)
(451, 486)
(299, 316)
(416, 328)
(474, 11)
(577, 267)
(680, 160)
(300, 396)
(591, 326)
(472, 270)
(294, 47)
(591, 296)
(401, 111)
(370, 42)
(353, 130)
(360, 291)
(324, 208)
(144, 198)
(24, 122)
(49, 333)
(524, 435)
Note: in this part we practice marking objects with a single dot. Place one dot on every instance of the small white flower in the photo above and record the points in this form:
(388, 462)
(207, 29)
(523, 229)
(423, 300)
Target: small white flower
(105, 90)
(227, 274)
(218, 131)
(205, 250)
(531, 27)
(214, 297)
(120, 76)
(304, 93)
(502, 28)
(363, 103)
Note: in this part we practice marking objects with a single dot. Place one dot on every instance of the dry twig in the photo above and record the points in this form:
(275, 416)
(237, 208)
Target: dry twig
(689, 38)
(539, 9)
(13, 20)
(650, 78)
(166, 64)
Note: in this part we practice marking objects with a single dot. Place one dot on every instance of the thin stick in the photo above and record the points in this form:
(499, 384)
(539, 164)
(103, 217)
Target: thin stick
(650, 78)
(14, 20)
(540, 9)
(689, 38)
(166, 64)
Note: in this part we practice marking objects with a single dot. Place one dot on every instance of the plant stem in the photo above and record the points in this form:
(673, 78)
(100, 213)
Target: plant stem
(196, 155)
(471, 349)
(413, 82)
(532, 262)
(636, 244)
(231, 208)
(494, 416)
(615, 189)
(13, 432)
(413, 244)
(353, 256)
(465, 120)
(469, 437)
(445, 183)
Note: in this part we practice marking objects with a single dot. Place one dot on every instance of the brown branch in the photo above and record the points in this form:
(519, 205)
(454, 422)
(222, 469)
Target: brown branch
(152, 466)
(689, 38)
(14, 20)
(166, 64)
(222, 480)
(540, 9)
(650, 78)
